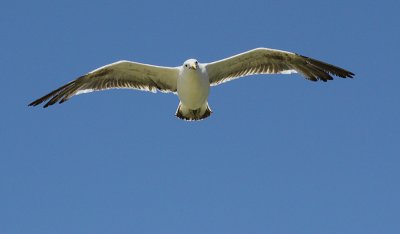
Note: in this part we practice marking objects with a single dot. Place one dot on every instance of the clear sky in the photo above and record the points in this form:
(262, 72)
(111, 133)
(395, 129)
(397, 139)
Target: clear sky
(280, 154)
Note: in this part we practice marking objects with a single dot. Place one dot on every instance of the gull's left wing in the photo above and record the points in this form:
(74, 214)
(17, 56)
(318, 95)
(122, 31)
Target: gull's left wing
(122, 74)
(270, 61)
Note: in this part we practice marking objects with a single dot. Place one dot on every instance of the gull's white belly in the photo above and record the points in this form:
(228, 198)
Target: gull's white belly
(193, 89)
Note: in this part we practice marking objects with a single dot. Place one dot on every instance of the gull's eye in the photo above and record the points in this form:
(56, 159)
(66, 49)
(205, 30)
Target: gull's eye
(185, 65)
(196, 62)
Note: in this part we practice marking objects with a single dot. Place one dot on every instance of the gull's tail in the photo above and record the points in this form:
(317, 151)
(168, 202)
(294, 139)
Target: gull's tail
(192, 115)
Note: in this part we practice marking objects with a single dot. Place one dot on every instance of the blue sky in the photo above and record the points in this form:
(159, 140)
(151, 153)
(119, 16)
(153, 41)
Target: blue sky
(280, 154)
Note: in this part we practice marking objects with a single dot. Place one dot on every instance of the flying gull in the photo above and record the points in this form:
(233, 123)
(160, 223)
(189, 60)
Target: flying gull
(192, 81)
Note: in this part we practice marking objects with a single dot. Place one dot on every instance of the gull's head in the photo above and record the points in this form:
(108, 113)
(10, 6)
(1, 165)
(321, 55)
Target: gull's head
(191, 64)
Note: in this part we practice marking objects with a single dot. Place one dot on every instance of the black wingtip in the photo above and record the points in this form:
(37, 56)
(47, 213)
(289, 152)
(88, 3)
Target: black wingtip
(348, 75)
(328, 68)
(34, 103)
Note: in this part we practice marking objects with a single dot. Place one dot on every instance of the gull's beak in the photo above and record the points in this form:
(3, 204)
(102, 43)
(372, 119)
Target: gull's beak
(193, 66)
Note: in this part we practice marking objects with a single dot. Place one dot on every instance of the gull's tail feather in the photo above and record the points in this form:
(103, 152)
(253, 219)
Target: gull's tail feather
(193, 115)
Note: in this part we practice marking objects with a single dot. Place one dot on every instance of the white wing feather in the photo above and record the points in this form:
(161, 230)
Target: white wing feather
(270, 61)
(123, 75)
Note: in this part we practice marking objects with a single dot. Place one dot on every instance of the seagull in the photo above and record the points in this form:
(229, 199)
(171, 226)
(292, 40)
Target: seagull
(192, 81)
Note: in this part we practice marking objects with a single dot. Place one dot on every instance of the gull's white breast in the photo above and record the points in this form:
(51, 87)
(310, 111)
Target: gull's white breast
(193, 87)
